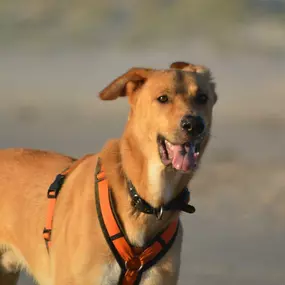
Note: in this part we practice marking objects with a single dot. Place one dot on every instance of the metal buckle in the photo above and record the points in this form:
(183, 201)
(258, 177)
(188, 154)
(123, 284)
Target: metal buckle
(159, 213)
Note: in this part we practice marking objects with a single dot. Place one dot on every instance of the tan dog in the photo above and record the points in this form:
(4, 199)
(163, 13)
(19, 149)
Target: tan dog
(169, 123)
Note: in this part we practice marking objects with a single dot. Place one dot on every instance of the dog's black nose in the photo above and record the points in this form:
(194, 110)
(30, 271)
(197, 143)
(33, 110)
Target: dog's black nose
(193, 125)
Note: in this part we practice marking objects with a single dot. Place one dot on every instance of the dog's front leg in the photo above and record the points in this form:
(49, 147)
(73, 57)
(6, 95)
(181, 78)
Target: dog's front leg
(160, 277)
(166, 271)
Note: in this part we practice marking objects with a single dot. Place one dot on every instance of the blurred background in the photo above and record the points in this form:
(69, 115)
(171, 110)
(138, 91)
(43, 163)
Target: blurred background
(57, 55)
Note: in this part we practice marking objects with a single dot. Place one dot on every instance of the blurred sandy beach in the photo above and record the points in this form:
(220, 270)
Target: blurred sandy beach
(237, 236)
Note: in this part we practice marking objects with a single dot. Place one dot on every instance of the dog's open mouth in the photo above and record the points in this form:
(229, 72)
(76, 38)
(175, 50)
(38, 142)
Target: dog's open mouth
(182, 157)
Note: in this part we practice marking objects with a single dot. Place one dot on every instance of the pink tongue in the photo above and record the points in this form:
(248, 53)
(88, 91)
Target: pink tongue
(183, 157)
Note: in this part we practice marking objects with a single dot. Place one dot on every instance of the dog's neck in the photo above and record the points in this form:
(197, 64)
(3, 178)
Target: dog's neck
(152, 183)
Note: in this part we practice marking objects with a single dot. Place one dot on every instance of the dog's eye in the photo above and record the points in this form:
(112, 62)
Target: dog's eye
(162, 99)
(201, 98)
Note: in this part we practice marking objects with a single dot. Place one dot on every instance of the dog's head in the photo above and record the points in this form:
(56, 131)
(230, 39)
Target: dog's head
(171, 111)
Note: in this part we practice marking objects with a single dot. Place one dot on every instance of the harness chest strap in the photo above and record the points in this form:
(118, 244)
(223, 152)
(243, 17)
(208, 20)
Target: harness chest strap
(132, 260)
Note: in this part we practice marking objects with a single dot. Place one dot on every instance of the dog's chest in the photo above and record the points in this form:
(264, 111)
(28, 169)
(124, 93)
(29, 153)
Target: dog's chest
(111, 274)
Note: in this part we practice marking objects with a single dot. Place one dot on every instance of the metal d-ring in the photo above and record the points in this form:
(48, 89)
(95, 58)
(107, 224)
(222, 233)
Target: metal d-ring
(132, 265)
(159, 214)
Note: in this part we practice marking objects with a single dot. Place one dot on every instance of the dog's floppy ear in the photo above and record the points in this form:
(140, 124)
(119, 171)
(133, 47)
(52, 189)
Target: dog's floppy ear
(179, 64)
(125, 84)
(200, 69)
(190, 67)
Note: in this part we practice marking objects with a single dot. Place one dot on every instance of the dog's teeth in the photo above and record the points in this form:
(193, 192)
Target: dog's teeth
(167, 142)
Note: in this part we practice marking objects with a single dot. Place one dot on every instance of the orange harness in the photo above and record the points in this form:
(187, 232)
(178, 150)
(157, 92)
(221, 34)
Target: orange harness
(132, 260)
(52, 194)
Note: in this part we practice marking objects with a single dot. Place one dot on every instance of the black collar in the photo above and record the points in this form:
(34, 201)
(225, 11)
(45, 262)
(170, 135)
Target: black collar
(179, 203)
